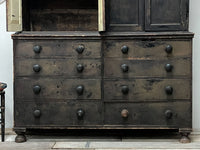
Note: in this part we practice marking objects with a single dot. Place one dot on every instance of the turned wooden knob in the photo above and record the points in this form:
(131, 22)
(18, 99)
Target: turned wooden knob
(168, 114)
(80, 89)
(124, 49)
(169, 90)
(80, 68)
(36, 68)
(37, 49)
(125, 89)
(36, 89)
(168, 67)
(124, 113)
(80, 49)
(124, 68)
(37, 113)
(80, 113)
(168, 49)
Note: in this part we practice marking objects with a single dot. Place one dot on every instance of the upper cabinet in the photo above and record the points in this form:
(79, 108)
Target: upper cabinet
(52, 15)
(97, 15)
(125, 15)
(166, 15)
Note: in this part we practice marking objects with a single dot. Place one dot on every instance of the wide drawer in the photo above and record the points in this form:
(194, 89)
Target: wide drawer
(173, 114)
(58, 67)
(147, 49)
(42, 89)
(147, 89)
(57, 48)
(146, 68)
(71, 113)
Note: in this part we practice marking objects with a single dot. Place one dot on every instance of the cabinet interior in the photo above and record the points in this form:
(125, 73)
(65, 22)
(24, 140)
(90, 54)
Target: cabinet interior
(62, 15)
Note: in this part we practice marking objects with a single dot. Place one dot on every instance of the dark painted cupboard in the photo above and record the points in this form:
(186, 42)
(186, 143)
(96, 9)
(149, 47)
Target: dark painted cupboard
(101, 64)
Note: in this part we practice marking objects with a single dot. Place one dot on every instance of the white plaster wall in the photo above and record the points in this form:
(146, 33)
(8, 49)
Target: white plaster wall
(194, 26)
(6, 62)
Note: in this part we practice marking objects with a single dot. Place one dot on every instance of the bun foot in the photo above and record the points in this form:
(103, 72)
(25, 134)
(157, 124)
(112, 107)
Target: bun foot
(185, 139)
(20, 138)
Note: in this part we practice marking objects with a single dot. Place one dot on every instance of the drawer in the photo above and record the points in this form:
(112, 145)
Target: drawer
(72, 113)
(57, 48)
(147, 89)
(46, 89)
(147, 49)
(58, 67)
(147, 68)
(173, 114)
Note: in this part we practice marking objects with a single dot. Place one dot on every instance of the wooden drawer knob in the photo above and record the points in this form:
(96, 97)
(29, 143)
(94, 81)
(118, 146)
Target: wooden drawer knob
(124, 49)
(124, 67)
(37, 49)
(80, 113)
(169, 90)
(125, 89)
(80, 49)
(168, 114)
(124, 113)
(36, 68)
(168, 67)
(36, 89)
(37, 113)
(80, 68)
(169, 49)
(80, 89)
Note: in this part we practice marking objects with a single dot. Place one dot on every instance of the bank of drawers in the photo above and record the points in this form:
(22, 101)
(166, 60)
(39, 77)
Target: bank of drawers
(58, 83)
(114, 82)
(147, 83)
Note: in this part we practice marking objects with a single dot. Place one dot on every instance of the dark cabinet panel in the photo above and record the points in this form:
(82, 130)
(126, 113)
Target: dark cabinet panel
(121, 68)
(165, 15)
(147, 90)
(81, 68)
(126, 18)
(71, 113)
(173, 114)
(57, 89)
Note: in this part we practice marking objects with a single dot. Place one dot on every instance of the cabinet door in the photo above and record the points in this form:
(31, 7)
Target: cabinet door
(166, 15)
(124, 15)
(14, 15)
(101, 15)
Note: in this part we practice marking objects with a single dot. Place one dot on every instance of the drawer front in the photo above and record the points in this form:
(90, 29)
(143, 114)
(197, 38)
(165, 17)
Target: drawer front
(146, 68)
(57, 48)
(147, 49)
(72, 113)
(42, 89)
(147, 89)
(173, 114)
(58, 67)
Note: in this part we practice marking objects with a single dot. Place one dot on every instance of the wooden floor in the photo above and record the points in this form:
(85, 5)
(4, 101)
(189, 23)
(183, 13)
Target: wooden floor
(99, 143)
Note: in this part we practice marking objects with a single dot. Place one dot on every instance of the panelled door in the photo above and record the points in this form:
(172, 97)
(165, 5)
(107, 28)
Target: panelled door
(124, 15)
(165, 15)
(14, 15)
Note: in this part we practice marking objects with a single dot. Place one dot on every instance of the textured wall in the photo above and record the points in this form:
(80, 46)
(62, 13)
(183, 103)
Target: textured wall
(6, 63)
(195, 27)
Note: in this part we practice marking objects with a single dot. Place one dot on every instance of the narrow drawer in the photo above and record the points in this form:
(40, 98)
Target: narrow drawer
(173, 114)
(58, 67)
(147, 68)
(42, 89)
(147, 89)
(72, 113)
(147, 49)
(57, 48)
